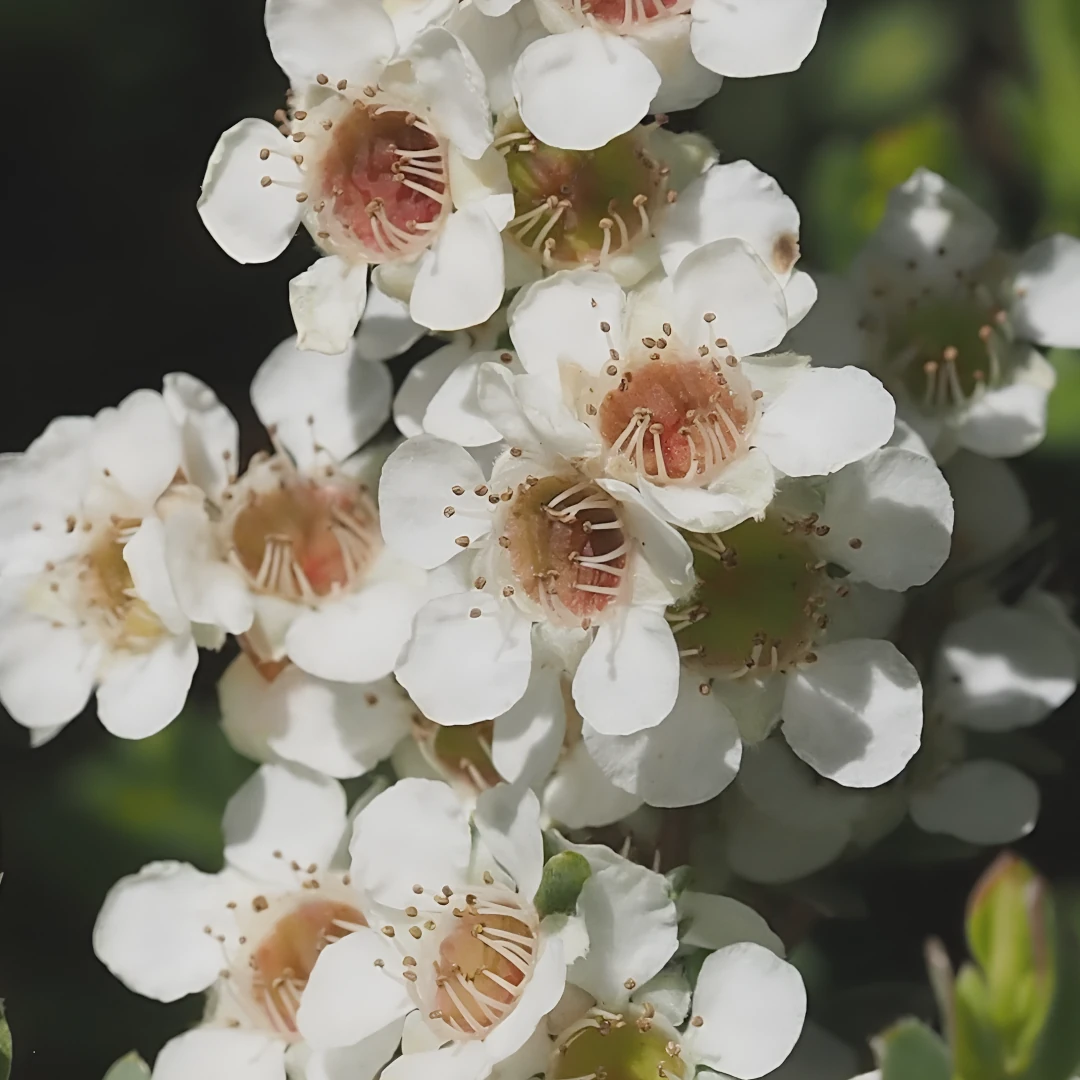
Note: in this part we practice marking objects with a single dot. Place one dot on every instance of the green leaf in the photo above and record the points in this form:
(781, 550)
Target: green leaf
(129, 1067)
(5, 1045)
(911, 1051)
(976, 1045)
(564, 877)
(1057, 1048)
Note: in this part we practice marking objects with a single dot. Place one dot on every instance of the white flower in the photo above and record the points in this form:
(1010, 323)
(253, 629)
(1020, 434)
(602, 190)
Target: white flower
(250, 935)
(655, 385)
(630, 57)
(85, 599)
(289, 554)
(384, 156)
(538, 545)
(783, 625)
(949, 322)
(461, 956)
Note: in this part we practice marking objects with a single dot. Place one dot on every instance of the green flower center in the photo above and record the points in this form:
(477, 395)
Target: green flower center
(947, 349)
(610, 1047)
(759, 598)
(575, 207)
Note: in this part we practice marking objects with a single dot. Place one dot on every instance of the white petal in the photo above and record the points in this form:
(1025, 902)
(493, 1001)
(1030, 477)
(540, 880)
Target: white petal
(417, 486)
(669, 994)
(1046, 286)
(386, 329)
(453, 85)
(528, 737)
(896, 507)
(632, 927)
(982, 802)
(507, 817)
(855, 714)
(725, 278)
(752, 1005)
(1007, 421)
(423, 381)
(732, 200)
(1003, 668)
(339, 729)
(458, 1061)
(222, 1054)
(144, 555)
(209, 590)
(209, 433)
(140, 693)
(327, 301)
(415, 832)
(667, 553)
(483, 183)
(46, 672)
(149, 932)
(460, 280)
(461, 668)
(742, 491)
(333, 38)
(580, 795)
(824, 419)
(358, 638)
(336, 403)
(251, 222)
(800, 294)
(362, 1061)
(556, 74)
(714, 922)
(763, 849)
(348, 997)
(628, 679)
(688, 758)
(992, 509)
(818, 1055)
(137, 445)
(754, 37)
(454, 412)
(288, 809)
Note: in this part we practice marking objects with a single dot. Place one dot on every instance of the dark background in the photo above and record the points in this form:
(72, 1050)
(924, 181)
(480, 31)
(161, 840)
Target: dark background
(110, 282)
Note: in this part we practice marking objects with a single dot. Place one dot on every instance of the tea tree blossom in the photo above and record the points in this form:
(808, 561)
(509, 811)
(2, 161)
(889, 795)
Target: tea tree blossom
(950, 322)
(249, 935)
(379, 156)
(537, 545)
(630, 57)
(86, 602)
(769, 637)
(288, 555)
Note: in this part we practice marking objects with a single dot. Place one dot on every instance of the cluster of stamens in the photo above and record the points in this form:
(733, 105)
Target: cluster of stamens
(299, 537)
(761, 602)
(625, 16)
(468, 954)
(375, 176)
(272, 945)
(676, 419)
(579, 207)
(567, 547)
(616, 1046)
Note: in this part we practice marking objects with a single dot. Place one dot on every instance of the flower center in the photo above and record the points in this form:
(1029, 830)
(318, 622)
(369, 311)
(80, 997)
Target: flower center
(300, 539)
(484, 963)
(678, 420)
(945, 350)
(577, 207)
(282, 962)
(757, 607)
(608, 1046)
(626, 14)
(567, 546)
(379, 186)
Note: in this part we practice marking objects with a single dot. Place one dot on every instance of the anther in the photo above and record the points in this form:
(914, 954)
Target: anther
(474, 613)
